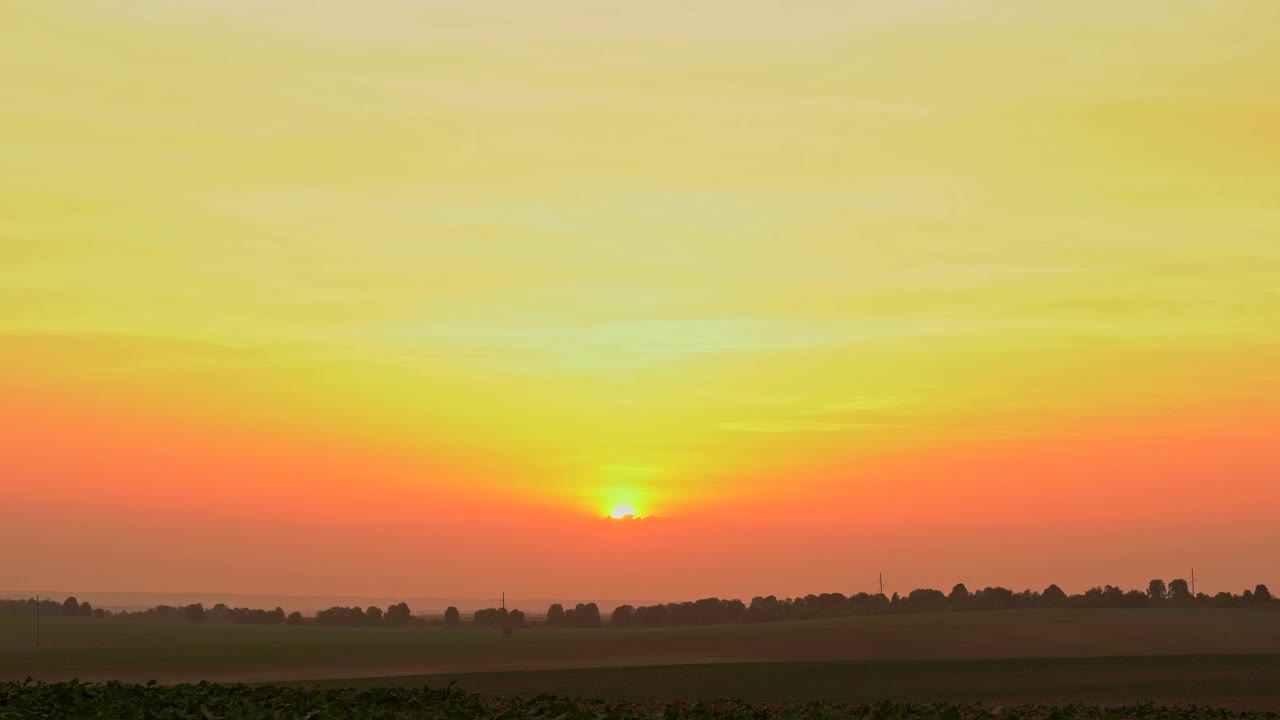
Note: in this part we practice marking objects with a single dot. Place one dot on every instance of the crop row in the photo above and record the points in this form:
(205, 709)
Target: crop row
(209, 701)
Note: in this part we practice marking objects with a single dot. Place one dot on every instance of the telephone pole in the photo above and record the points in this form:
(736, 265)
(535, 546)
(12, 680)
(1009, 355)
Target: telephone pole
(37, 622)
(1193, 582)
(505, 625)
(882, 583)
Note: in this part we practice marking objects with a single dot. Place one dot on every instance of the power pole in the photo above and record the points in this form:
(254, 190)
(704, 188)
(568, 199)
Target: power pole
(37, 622)
(882, 583)
(1193, 582)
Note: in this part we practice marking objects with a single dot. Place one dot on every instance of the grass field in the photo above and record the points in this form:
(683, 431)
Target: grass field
(1228, 657)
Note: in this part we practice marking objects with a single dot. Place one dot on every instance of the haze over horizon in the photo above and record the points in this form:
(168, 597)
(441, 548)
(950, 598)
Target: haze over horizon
(402, 299)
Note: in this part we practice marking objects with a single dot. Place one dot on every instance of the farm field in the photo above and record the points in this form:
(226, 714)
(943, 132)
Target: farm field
(1229, 657)
(23, 701)
(1242, 682)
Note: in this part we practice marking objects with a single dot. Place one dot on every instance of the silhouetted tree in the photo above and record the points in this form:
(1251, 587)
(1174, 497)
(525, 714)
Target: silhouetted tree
(295, 618)
(452, 617)
(1261, 595)
(582, 615)
(498, 617)
(925, 599)
(1178, 592)
(993, 598)
(622, 616)
(555, 615)
(352, 616)
(71, 607)
(651, 616)
(373, 615)
(959, 596)
(1156, 590)
(1053, 595)
(1135, 599)
(762, 609)
(194, 612)
(397, 615)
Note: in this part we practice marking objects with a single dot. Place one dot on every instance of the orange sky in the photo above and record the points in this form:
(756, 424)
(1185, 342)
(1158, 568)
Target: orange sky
(404, 300)
(112, 500)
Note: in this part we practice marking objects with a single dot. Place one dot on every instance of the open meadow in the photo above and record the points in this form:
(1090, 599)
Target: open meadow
(1227, 658)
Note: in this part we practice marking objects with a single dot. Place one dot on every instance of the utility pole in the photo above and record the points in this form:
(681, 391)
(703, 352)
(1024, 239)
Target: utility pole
(882, 583)
(37, 622)
(1193, 582)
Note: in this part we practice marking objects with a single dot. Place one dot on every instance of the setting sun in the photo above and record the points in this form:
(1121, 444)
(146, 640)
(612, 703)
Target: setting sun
(622, 511)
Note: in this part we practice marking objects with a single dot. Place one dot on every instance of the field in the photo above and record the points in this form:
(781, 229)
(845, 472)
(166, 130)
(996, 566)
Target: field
(206, 701)
(1228, 658)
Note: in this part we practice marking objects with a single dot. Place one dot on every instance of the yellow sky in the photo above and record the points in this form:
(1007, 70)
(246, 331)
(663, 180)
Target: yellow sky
(636, 252)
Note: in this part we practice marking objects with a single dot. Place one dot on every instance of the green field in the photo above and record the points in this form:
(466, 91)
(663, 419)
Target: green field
(1228, 657)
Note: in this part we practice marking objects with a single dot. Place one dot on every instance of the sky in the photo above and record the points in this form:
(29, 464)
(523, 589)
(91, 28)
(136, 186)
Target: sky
(406, 298)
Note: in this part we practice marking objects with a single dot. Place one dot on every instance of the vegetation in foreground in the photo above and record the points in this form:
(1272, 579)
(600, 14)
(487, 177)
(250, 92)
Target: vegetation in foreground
(208, 701)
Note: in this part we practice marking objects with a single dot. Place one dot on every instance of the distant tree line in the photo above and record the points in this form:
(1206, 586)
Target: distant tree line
(394, 616)
(707, 611)
(713, 611)
(67, 608)
(397, 615)
(582, 615)
(496, 618)
(771, 609)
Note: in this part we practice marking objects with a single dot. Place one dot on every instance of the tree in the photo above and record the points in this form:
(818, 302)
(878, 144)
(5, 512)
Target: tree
(959, 595)
(295, 618)
(1135, 599)
(762, 609)
(993, 598)
(218, 613)
(622, 616)
(373, 614)
(925, 599)
(555, 615)
(1156, 590)
(1261, 595)
(583, 616)
(86, 610)
(397, 615)
(194, 612)
(1053, 595)
(452, 617)
(71, 607)
(1179, 592)
(489, 617)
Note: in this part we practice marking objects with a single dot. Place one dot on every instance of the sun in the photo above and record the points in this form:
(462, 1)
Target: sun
(622, 511)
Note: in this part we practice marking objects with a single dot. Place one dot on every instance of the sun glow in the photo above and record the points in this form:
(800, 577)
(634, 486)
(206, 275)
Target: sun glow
(623, 511)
